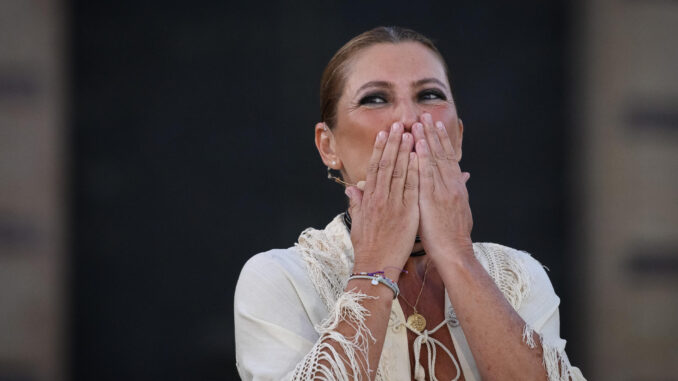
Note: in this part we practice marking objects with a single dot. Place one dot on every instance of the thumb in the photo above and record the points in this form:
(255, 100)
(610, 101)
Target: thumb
(466, 176)
(355, 197)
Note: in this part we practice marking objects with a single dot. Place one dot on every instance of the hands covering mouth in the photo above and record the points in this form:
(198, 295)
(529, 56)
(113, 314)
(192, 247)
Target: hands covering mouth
(413, 183)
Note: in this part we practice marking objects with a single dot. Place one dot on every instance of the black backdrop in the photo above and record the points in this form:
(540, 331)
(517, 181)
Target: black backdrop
(192, 150)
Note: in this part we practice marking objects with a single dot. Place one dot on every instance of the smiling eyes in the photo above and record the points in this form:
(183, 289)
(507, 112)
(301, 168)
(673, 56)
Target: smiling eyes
(379, 97)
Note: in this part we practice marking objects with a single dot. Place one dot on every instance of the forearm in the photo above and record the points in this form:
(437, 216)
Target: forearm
(493, 329)
(369, 335)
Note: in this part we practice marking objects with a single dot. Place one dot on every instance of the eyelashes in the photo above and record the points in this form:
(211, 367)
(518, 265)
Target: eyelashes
(381, 98)
(431, 94)
(373, 98)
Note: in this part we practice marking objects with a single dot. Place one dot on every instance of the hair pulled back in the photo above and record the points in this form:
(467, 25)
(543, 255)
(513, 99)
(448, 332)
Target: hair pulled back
(334, 76)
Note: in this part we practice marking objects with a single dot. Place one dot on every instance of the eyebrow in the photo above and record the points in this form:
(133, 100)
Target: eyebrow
(418, 83)
(427, 81)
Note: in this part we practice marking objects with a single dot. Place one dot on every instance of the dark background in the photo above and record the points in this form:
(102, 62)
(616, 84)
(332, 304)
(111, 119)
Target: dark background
(193, 150)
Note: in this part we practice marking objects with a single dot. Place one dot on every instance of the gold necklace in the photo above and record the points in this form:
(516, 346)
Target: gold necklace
(416, 320)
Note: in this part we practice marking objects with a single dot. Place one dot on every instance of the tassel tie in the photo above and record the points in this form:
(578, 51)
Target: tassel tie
(431, 343)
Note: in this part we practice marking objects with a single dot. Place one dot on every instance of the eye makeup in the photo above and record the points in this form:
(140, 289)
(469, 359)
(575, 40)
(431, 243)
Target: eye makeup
(432, 94)
(373, 98)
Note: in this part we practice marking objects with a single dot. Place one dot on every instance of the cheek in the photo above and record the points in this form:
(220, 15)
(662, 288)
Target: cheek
(449, 119)
(356, 141)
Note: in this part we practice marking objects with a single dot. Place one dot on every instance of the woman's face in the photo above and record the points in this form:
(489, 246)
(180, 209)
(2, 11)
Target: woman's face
(389, 83)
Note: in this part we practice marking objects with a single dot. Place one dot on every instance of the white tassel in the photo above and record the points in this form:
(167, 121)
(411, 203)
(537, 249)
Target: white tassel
(554, 359)
(324, 362)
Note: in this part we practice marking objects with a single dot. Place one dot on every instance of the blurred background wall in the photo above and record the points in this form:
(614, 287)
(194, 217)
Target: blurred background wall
(627, 155)
(34, 303)
(148, 149)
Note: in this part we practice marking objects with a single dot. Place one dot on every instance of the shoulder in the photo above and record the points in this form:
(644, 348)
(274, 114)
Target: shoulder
(521, 278)
(271, 271)
(271, 263)
(276, 280)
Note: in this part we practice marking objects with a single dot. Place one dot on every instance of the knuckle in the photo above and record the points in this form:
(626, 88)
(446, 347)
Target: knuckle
(398, 173)
(385, 163)
(373, 167)
(409, 185)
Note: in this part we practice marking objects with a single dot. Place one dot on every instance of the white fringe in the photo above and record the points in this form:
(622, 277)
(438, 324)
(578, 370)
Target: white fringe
(324, 361)
(507, 271)
(555, 361)
(328, 255)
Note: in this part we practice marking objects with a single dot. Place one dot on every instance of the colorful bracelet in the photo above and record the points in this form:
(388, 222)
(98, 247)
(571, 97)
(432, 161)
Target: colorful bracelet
(378, 278)
(369, 274)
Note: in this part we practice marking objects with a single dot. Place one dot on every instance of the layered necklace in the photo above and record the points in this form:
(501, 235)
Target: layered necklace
(415, 320)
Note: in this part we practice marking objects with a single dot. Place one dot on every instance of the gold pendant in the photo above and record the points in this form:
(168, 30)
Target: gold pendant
(416, 321)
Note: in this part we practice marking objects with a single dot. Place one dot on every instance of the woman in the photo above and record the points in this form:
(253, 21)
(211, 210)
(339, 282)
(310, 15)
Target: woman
(395, 289)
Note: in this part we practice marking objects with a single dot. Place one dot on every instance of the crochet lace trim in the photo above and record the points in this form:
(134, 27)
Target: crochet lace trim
(328, 255)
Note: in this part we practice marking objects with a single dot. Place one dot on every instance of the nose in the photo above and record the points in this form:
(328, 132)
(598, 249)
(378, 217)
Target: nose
(407, 113)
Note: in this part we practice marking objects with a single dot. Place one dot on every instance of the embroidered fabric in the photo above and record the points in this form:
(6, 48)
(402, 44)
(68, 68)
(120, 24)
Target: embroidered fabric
(328, 255)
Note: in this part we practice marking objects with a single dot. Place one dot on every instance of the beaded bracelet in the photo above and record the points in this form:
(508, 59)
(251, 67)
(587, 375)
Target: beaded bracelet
(369, 274)
(378, 278)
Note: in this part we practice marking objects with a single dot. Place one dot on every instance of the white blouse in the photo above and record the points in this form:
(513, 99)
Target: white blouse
(279, 314)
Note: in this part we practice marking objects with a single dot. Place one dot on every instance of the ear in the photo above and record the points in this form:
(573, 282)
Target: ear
(460, 138)
(325, 143)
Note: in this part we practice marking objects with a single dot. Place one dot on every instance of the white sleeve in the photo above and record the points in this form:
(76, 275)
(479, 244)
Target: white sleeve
(541, 315)
(275, 337)
(272, 330)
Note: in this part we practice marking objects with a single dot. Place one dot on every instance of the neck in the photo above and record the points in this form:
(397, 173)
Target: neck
(416, 266)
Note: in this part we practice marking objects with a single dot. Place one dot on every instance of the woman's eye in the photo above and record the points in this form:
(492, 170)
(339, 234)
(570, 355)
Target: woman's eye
(432, 95)
(373, 99)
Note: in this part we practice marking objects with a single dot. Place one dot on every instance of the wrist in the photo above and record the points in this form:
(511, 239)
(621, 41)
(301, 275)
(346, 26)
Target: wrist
(458, 247)
(377, 286)
(389, 271)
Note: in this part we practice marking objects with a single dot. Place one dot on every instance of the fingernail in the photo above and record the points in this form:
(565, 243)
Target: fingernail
(422, 145)
(406, 136)
(427, 117)
(413, 156)
(381, 135)
(440, 126)
(394, 127)
(417, 126)
(347, 192)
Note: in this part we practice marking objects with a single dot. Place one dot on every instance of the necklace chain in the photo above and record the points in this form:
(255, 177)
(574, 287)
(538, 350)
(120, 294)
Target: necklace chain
(423, 282)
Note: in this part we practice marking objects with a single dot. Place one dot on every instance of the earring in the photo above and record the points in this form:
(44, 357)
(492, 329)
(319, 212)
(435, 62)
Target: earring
(335, 178)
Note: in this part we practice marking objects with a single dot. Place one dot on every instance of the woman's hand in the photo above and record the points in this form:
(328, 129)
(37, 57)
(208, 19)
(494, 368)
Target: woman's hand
(385, 216)
(446, 220)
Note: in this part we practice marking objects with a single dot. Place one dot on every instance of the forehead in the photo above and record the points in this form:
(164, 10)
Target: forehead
(400, 63)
